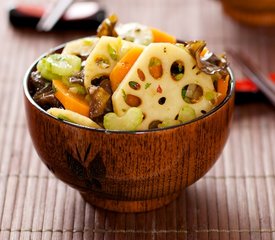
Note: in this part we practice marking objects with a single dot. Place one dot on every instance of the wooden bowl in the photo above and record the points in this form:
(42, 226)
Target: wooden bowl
(128, 171)
(252, 12)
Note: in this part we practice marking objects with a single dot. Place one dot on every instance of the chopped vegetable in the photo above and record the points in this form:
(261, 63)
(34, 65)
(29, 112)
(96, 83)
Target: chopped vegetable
(160, 36)
(73, 117)
(133, 32)
(69, 100)
(159, 96)
(128, 122)
(186, 114)
(104, 57)
(136, 33)
(132, 100)
(113, 52)
(131, 77)
(222, 87)
(123, 66)
(56, 66)
(107, 27)
(80, 47)
(42, 91)
(155, 67)
(211, 65)
(99, 100)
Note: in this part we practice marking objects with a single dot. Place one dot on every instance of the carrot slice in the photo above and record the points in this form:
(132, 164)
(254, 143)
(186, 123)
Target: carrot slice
(69, 100)
(222, 87)
(159, 36)
(123, 66)
(132, 100)
(204, 51)
(155, 67)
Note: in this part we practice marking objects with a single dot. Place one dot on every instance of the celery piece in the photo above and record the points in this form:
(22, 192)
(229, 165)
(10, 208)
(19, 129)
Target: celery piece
(64, 65)
(186, 114)
(128, 122)
(77, 89)
(169, 123)
(45, 70)
(56, 66)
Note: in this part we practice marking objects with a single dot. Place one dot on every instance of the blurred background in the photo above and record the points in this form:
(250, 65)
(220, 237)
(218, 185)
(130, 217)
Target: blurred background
(246, 26)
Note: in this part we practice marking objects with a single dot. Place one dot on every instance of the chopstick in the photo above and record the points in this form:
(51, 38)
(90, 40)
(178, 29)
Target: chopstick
(53, 14)
(255, 74)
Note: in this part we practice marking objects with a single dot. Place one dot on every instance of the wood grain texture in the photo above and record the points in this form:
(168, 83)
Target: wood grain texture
(129, 172)
(219, 206)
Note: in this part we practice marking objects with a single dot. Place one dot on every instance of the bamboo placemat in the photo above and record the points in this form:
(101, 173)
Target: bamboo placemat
(235, 200)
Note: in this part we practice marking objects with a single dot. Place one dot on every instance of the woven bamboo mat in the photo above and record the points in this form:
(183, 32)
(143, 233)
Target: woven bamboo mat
(235, 200)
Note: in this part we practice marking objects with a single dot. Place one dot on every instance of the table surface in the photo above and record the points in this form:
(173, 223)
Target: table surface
(235, 200)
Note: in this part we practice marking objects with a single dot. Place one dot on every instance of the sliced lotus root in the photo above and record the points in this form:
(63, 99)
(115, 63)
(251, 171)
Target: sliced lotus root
(107, 52)
(81, 47)
(162, 81)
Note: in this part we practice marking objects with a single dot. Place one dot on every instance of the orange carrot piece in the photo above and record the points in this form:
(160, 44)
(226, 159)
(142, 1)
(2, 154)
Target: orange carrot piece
(204, 51)
(69, 100)
(132, 101)
(156, 71)
(123, 66)
(159, 36)
(222, 87)
(155, 67)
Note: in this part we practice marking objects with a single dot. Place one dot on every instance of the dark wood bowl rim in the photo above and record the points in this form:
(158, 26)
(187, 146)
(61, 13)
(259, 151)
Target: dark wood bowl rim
(27, 94)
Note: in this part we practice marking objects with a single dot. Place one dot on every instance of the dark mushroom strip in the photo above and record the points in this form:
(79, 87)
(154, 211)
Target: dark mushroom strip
(77, 78)
(45, 98)
(212, 65)
(37, 82)
(99, 101)
(42, 91)
(107, 27)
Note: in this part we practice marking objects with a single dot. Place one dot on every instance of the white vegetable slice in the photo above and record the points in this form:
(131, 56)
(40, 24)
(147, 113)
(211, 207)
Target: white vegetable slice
(135, 32)
(73, 117)
(107, 52)
(80, 47)
(160, 94)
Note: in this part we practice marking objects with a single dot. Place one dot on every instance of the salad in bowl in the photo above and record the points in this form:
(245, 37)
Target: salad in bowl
(129, 117)
(130, 77)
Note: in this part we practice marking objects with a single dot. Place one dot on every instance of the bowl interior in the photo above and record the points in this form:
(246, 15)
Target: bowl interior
(28, 93)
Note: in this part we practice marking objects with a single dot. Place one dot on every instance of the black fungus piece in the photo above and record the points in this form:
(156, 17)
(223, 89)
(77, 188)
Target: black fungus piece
(37, 82)
(99, 99)
(42, 92)
(212, 65)
(101, 102)
(77, 78)
(107, 27)
(45, 98)
(106, 85)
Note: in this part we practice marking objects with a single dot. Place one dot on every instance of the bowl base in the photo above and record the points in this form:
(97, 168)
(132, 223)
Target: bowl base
(128, 206)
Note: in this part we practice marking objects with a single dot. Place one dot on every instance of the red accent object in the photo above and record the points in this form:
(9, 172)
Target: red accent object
(31, 10)
(272, 77)
(246, 85)
(159, 89)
